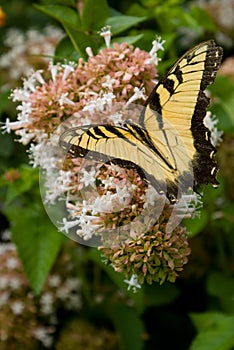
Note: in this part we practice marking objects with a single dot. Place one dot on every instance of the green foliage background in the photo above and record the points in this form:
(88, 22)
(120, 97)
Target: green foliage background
(197, 312)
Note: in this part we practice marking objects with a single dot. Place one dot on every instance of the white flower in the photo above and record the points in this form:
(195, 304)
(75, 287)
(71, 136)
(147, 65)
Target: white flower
(109, 82)
(108, 97)
(138, 94)
(8, 126)
(46, 301)
(4, 282)
(21, 45)
(6, 248)
(90, 107)
(47, 309)
(17, 307)
(105, 32)
(57, 183)
(68, 68)
(88, 178)
(25, 109)
(98, 104)
(25, 137)
(86, 231)
(87, 226)
(210, 122)
(65, 100)
(188, 206)
(157, 45)
(108, 182)
(47, 298)
(67, 225)
(133, 283)
(45, 155)
(6, 236)
(53, 70)
(54, 32)
(48, 341)
(73, 283)
(30, 84)
(14, 38)
(54, 281)
(89, 51)
(99, 298)
(4, 298)
(124, 197)
(41, 334)
(151, 196)
(20, 95)
(63, 293)
(15, 283)
(74, 302)
(38, 76)
(103, 203)
(117, 119)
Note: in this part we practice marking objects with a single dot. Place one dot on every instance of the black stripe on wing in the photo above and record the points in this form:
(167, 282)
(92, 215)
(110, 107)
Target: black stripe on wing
(204, 164)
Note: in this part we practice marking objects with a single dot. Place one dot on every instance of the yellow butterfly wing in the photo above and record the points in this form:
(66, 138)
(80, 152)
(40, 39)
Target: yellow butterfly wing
(117, 145)
(175, 111)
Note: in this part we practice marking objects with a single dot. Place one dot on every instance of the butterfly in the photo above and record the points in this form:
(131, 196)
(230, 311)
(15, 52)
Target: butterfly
(169, 146)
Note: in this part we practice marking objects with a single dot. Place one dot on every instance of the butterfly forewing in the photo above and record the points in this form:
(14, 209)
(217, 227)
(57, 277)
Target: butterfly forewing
(175, 111)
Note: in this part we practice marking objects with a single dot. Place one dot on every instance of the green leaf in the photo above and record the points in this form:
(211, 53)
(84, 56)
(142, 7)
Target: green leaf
(195, 225)
(4, 102)
(128, 39)
(121, 23)
(63, 2)
(125, 39)
(94, 14)
(117, 278)
(222, 287)
(65, 51)
(63, 14)
(114, 12)
(203, 19)
(37, 240)
(129, 326)
(216, 331)
(158, 295)
(28, 177)
(8, 145)
(223, 89)
(80, 40)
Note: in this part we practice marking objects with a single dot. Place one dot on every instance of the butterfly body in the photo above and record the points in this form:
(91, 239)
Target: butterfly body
(170, 144)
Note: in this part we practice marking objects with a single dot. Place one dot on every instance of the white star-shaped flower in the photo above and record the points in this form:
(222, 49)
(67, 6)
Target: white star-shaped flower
(88, 178)
(133, 283)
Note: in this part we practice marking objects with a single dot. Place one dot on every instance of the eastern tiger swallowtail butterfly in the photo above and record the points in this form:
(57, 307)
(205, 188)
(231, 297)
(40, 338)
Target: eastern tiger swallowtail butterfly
(170, 143)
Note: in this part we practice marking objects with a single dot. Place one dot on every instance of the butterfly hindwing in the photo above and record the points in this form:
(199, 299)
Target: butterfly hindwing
(106, 143)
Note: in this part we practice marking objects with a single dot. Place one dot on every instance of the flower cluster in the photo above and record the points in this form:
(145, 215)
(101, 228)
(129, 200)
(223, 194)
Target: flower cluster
(114, 75)
(154, 256)
(19, 306)
(105, 205)
(27, 51)
(89, 337)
